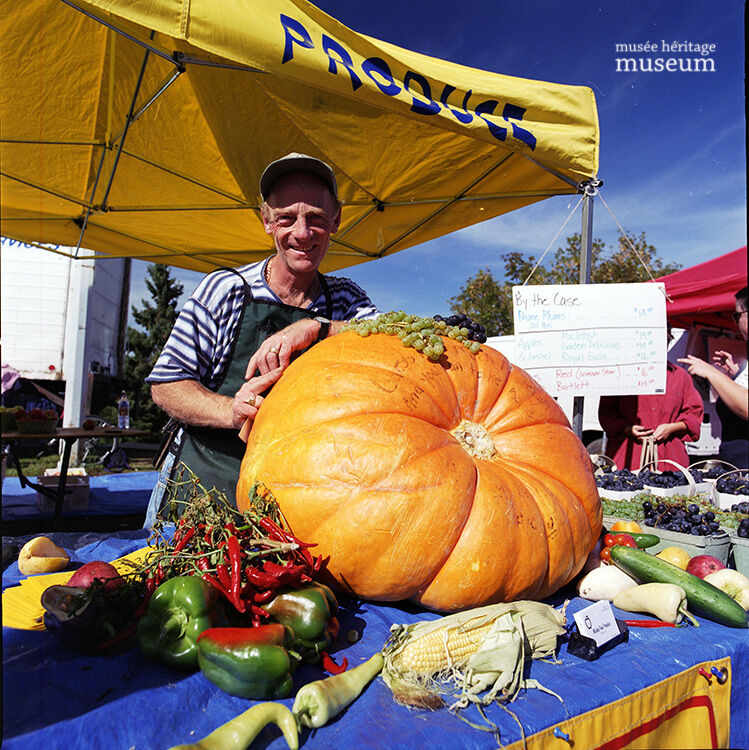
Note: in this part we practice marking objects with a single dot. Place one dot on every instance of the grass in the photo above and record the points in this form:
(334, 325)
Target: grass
(34, 467)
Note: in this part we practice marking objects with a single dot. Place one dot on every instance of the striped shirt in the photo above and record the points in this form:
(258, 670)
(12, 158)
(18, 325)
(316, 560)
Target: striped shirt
(200, 344)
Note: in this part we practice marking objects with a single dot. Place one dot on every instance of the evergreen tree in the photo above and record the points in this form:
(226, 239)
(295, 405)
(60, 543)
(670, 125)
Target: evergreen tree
(156, 319)
(489, 301)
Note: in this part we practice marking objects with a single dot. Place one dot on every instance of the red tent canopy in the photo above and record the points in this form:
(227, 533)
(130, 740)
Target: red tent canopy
(705, 294)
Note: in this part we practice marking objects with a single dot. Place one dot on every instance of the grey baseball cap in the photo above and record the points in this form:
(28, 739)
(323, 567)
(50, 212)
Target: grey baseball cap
(296, 163)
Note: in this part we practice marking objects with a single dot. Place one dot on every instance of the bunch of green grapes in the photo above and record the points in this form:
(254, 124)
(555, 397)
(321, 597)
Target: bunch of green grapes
(422, 334)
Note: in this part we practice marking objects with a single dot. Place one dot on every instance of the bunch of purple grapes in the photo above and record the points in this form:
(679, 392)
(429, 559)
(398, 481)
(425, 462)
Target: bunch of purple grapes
(476, 332)
(620, 480)
(663, 479)
(685, 519)
(733, 484)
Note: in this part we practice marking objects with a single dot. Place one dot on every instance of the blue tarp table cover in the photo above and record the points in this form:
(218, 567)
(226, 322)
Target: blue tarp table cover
(56, 698)
(109, 495)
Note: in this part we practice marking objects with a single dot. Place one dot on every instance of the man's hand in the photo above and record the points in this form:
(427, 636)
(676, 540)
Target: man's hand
(726, 362)
(637, 432)
(277, 349)
(247, 399)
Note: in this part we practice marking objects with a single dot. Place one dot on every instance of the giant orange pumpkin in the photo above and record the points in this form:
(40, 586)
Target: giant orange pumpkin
(453, 484)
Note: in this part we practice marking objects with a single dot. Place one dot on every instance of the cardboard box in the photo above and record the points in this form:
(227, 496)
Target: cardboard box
(76, 490)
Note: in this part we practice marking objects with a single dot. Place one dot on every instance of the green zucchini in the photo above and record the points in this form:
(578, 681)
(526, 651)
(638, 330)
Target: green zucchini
(641, 540)
(702, 597)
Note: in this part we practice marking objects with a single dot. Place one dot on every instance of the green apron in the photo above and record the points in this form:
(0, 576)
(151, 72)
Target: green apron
(213, 454)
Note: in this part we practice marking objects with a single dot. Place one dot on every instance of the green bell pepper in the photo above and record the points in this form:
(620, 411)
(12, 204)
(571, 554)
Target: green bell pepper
(308, 611)
(179, 610)
(249, 662)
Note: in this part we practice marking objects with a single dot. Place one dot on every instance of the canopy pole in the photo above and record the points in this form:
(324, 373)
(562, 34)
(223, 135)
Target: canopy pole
(589, 190)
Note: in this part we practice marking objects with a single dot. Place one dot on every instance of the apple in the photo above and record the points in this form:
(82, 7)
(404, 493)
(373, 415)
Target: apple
(701, 565)
(96, 570)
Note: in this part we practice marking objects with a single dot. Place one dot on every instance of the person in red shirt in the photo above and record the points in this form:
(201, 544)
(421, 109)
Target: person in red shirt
(672, 418)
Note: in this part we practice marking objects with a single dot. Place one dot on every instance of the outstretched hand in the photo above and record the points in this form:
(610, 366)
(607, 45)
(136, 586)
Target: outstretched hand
(697, 366)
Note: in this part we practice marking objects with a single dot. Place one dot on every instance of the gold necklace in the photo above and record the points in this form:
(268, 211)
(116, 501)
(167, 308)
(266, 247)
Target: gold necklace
(305, 295)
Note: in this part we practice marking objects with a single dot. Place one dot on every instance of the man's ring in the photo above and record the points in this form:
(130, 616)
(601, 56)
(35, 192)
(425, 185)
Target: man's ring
(274, 350)
(251, 399)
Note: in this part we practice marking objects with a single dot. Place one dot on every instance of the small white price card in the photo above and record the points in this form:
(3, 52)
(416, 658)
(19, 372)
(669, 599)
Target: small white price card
(597, 622)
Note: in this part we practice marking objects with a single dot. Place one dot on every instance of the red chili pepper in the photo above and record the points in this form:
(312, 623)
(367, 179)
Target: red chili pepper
(202, 563)
(257, 615)
(222, 572)
(208, 578)
(260, 579)
(235, 558)
(189, 534)
(648, 624)
(271, 529)
(260, 597)
(329, 664)
(141, 608)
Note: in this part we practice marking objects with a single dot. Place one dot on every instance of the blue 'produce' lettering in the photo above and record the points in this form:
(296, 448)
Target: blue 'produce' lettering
(295, 33)
(417, 85)
(430, 107)
(376, 67)
(330, 45)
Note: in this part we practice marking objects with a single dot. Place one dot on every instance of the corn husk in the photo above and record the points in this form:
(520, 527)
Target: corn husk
(493, 672)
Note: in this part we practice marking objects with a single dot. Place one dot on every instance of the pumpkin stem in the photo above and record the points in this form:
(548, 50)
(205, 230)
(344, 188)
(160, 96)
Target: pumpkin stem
(475, 439)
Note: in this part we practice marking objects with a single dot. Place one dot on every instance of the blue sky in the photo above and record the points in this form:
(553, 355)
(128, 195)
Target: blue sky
(672, 157)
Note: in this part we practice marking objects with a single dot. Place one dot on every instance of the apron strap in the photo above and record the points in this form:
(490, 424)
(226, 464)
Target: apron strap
(247, 289)
(328, 298)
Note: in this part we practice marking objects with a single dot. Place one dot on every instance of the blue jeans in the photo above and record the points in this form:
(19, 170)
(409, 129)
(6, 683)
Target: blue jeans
(157, 495)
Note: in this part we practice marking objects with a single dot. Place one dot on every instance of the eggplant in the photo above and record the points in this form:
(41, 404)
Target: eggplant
(71, 615)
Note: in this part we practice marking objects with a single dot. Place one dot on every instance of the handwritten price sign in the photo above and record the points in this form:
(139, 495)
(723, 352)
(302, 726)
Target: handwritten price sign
(592, 339)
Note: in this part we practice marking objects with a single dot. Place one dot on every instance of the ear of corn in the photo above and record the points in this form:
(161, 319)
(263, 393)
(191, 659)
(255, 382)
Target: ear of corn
(480, 649)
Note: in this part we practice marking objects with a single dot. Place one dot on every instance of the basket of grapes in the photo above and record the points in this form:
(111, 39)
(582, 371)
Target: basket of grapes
(668, 483)
(739, 556)
(620, 484)
(732, 489)
(695, 527)
(711, 470)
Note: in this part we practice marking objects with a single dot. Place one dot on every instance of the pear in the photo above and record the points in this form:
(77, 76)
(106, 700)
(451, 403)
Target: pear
(41, 555)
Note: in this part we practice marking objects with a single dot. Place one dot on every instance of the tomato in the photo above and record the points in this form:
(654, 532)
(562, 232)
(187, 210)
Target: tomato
(624, 540)
(606, 554)
(621, 540)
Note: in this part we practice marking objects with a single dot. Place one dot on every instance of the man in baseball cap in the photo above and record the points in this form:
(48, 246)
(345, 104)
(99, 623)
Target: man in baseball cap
(241, 327)
(297, 163)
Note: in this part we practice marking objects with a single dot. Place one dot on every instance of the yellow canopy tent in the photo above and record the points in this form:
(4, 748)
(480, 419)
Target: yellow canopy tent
(141, 129)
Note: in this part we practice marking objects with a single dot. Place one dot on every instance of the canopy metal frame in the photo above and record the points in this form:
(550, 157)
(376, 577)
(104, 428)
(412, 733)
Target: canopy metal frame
(340, 246)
